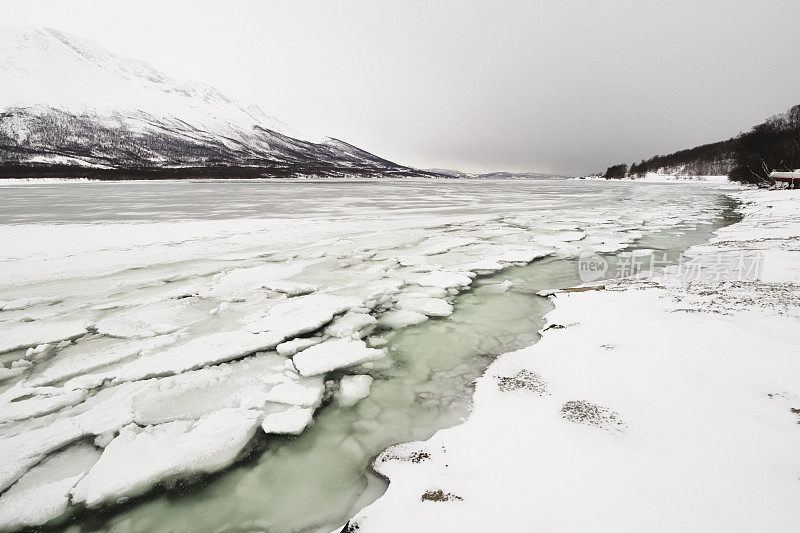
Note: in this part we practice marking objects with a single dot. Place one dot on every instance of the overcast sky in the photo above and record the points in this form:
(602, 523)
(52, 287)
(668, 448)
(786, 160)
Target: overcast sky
(551, 85)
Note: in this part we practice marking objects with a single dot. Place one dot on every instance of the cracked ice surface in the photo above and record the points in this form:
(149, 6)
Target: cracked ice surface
(155, 339)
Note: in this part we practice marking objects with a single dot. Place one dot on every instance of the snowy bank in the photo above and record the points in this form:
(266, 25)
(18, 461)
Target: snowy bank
(666, 404)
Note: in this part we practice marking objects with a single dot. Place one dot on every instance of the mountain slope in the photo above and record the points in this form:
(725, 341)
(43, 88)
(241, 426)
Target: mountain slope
(67, 102)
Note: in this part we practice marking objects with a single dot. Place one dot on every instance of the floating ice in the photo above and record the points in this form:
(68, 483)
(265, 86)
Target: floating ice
(353, 389)
(352, 325)
(287, 419)
(302, 314)
(24, 303)
(22, 451)
(246, 384)
(150, 320)
(209, 349)
(334, 354)
(36, 402)
(26, 334)
(42, 494)
(139, 458)
(401, 318)
(242, 282)
(441, 279)
(426, 306)
(289, 348)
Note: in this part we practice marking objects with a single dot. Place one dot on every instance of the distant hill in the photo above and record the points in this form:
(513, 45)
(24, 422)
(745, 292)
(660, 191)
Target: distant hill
(496, 175)
(749, 157)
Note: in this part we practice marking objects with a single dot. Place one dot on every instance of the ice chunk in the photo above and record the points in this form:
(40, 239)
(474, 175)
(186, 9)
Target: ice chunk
(139, 458)
(353, 389)
(400, 318)
(109, 409)
(334, 354)
(209, 349)
(26, 334)
(37, 403)
(14, 371)
(150, 320)
(239, 283)
(290, 288)
(484, 266)
(524, 255)
(246, 384)
(376, 342)
(95, 353)
(42, 494)
(289, 348)
(351, 325)
(24, 303)
(424, 292)
(39, 352)
(443, 243)
(288, 419)
(303, 391)
(426, 306)
(441, 279)
(22, 451)
(303, 314)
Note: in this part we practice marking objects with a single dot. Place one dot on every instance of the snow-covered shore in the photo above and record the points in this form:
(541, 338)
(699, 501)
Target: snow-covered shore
(662, 404)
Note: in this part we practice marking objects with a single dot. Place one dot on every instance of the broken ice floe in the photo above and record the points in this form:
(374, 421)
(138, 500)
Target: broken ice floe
(353, 389)
(141, 457)
(286, 419)
(42, 495)
(28, 334)
(334, 354)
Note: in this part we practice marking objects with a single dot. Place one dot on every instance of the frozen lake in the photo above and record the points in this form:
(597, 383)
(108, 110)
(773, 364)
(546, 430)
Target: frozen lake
(161, 332)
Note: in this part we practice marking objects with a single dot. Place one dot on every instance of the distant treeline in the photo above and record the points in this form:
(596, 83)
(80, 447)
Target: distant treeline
(748, 157)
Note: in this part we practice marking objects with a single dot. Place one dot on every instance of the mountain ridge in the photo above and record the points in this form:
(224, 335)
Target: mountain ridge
(112, 115)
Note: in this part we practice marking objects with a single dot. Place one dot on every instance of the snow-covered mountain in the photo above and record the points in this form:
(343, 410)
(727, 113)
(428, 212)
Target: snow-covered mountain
(67, 101)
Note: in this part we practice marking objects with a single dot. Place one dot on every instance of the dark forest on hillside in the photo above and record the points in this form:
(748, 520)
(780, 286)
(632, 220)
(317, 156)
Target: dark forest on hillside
(748, 157)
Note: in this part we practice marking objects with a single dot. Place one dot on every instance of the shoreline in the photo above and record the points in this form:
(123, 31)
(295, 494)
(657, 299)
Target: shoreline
(613, 421)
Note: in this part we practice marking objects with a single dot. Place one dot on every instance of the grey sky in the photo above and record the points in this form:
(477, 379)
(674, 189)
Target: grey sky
(550, 85)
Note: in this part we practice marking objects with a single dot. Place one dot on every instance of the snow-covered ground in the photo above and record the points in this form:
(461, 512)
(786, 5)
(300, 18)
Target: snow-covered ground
(668, 403)
(159, 350)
